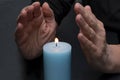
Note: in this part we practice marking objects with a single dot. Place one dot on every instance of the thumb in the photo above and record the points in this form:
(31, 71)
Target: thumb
(47, 12)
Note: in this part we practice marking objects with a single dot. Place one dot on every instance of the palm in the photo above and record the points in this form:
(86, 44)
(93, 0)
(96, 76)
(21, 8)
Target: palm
(35, 34)
(92, 35)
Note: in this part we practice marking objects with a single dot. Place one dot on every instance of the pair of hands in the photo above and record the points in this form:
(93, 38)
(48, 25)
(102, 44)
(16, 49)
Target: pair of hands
(36, 25)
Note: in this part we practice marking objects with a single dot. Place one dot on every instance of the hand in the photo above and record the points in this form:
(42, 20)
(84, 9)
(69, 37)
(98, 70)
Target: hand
(91, 36)
(36, 25)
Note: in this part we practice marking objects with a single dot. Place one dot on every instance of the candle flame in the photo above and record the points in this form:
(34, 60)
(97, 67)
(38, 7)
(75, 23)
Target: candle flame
(56, 40)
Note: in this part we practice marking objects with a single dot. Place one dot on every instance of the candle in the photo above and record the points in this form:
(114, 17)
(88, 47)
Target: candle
(57, 60)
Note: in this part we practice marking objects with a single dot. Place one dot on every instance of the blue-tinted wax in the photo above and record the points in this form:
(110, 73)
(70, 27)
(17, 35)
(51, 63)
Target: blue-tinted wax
(57, 61)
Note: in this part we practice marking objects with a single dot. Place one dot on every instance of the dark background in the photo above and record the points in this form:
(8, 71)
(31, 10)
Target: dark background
(11, 62)
(11, 67)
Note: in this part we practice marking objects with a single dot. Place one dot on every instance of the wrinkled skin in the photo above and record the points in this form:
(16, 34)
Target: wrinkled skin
(92, 36)
(36, 25)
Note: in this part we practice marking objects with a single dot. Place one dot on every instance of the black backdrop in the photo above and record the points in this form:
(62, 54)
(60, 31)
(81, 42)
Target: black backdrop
(11, 67)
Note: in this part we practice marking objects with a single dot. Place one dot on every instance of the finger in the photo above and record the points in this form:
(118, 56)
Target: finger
(85, 29)
(19, 31)
(87, 45)
(19, 28)
(22, 18)
(29, 11)
(47, 12)
(37, 10)
(25, 17)
(20, 37)
(88, 16)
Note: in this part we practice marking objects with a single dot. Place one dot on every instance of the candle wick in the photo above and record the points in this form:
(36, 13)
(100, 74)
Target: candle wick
(56, 44)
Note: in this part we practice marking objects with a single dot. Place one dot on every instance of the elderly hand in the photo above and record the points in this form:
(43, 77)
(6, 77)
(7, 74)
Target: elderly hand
(36, 25)
(91, 36)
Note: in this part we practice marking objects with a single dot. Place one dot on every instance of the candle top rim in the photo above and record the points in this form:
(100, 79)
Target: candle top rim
(62, 47)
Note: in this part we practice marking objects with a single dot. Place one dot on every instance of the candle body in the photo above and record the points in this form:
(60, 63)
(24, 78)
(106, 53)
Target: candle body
(57, 61)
